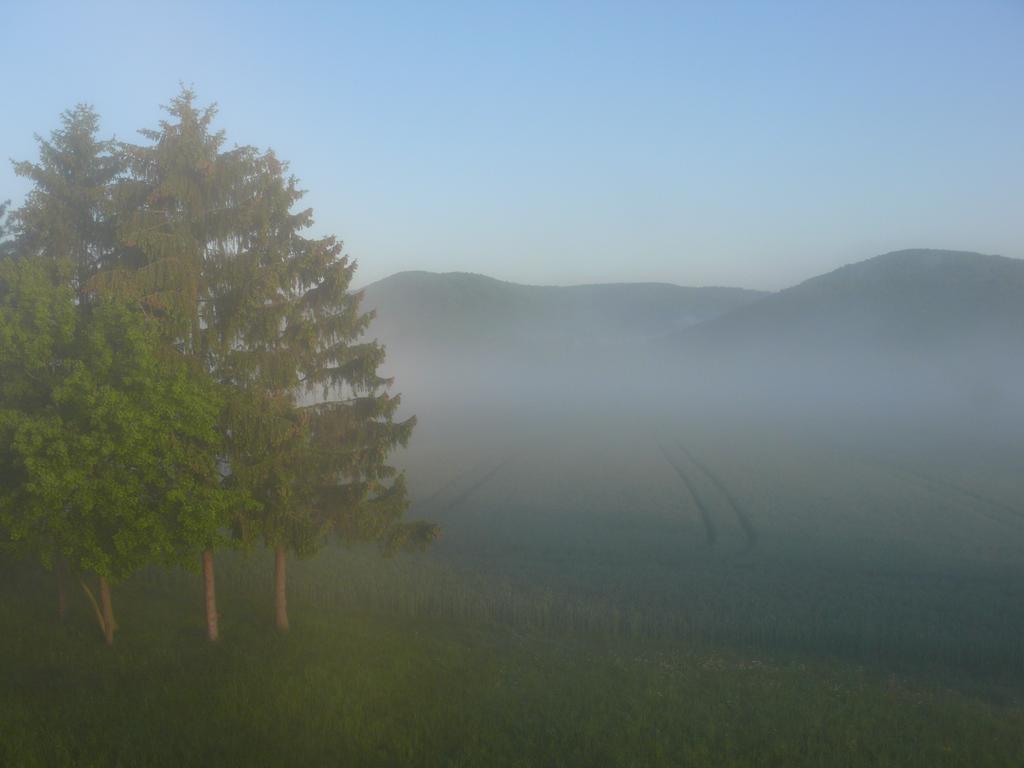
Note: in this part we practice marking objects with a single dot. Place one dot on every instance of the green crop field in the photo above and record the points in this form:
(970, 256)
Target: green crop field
(362, 680)
(683, 592)
(903, 552)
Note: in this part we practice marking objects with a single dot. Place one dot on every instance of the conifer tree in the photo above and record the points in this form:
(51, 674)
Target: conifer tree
(120, 221)
(206, 241)
(210, 244)
(311, 423)
(313, 428)
(67, 218)
(181, 207)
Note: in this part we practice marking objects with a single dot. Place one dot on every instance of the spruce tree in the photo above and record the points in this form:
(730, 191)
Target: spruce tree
(181, 207)
(67, 218)
(312, 423)
(210, 244)
(136, 223)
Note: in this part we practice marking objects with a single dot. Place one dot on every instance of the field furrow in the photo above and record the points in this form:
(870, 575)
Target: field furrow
(710, 532)
(478, 484)
(742, 517)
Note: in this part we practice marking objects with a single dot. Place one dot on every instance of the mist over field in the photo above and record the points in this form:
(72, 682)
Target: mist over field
(512, 385)
(929, 335)
(835, 465)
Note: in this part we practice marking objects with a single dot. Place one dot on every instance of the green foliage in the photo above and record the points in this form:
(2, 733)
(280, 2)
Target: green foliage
(180, 207)
(67, 217)
(213, 247)
(164, 329)
(109, 441)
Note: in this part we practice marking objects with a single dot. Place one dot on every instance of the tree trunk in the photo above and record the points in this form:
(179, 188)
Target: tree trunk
(107, 609)
(280, 594)
(212, 628)
(62, 590)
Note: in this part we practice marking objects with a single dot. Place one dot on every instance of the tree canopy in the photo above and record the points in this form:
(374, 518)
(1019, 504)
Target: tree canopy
(108, 441)
(181, 360)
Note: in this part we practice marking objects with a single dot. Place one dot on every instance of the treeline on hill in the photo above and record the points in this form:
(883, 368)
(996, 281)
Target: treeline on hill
(181, 370)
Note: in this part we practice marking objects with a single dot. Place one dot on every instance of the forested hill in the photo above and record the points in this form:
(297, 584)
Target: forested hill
(459, 313)
(912, 302)
(917, 301)
(917, 329)
(902, 326)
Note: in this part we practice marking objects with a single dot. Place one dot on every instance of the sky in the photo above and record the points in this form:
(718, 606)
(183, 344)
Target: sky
(705, 143)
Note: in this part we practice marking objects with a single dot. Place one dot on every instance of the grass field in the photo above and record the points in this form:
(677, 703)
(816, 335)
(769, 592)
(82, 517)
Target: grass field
(606, 592)
(371, 688)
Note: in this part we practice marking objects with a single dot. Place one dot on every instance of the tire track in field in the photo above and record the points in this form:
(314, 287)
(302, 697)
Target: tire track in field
(450, 489)
(476, 485)
(710, 532)
(441, 492)
(741, 514)
(942, 487)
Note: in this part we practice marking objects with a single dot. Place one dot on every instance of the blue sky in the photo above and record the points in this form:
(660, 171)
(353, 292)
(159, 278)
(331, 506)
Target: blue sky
(728, 143)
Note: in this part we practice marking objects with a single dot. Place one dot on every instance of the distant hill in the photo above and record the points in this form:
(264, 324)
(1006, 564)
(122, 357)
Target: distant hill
(912, 302)
(910, 330)
(460, 314)
(907, 328)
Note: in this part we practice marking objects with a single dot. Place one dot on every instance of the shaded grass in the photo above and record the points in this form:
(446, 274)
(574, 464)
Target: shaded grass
(354, 688)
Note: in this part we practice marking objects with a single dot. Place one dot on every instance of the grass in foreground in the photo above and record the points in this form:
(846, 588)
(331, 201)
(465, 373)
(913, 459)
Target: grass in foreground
(355, 689)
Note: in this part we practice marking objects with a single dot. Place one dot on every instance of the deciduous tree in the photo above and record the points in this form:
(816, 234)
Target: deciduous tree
(108, 439)
(66, 221)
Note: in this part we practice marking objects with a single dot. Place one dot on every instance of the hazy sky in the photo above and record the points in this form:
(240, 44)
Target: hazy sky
(749, 144)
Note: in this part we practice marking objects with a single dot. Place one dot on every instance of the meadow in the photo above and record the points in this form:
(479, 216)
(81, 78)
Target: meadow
(687, 592)
(377, 688)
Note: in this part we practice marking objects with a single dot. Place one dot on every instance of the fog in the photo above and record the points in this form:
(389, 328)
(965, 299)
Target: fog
(928, 348)
(856, 442)
(512, 384)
